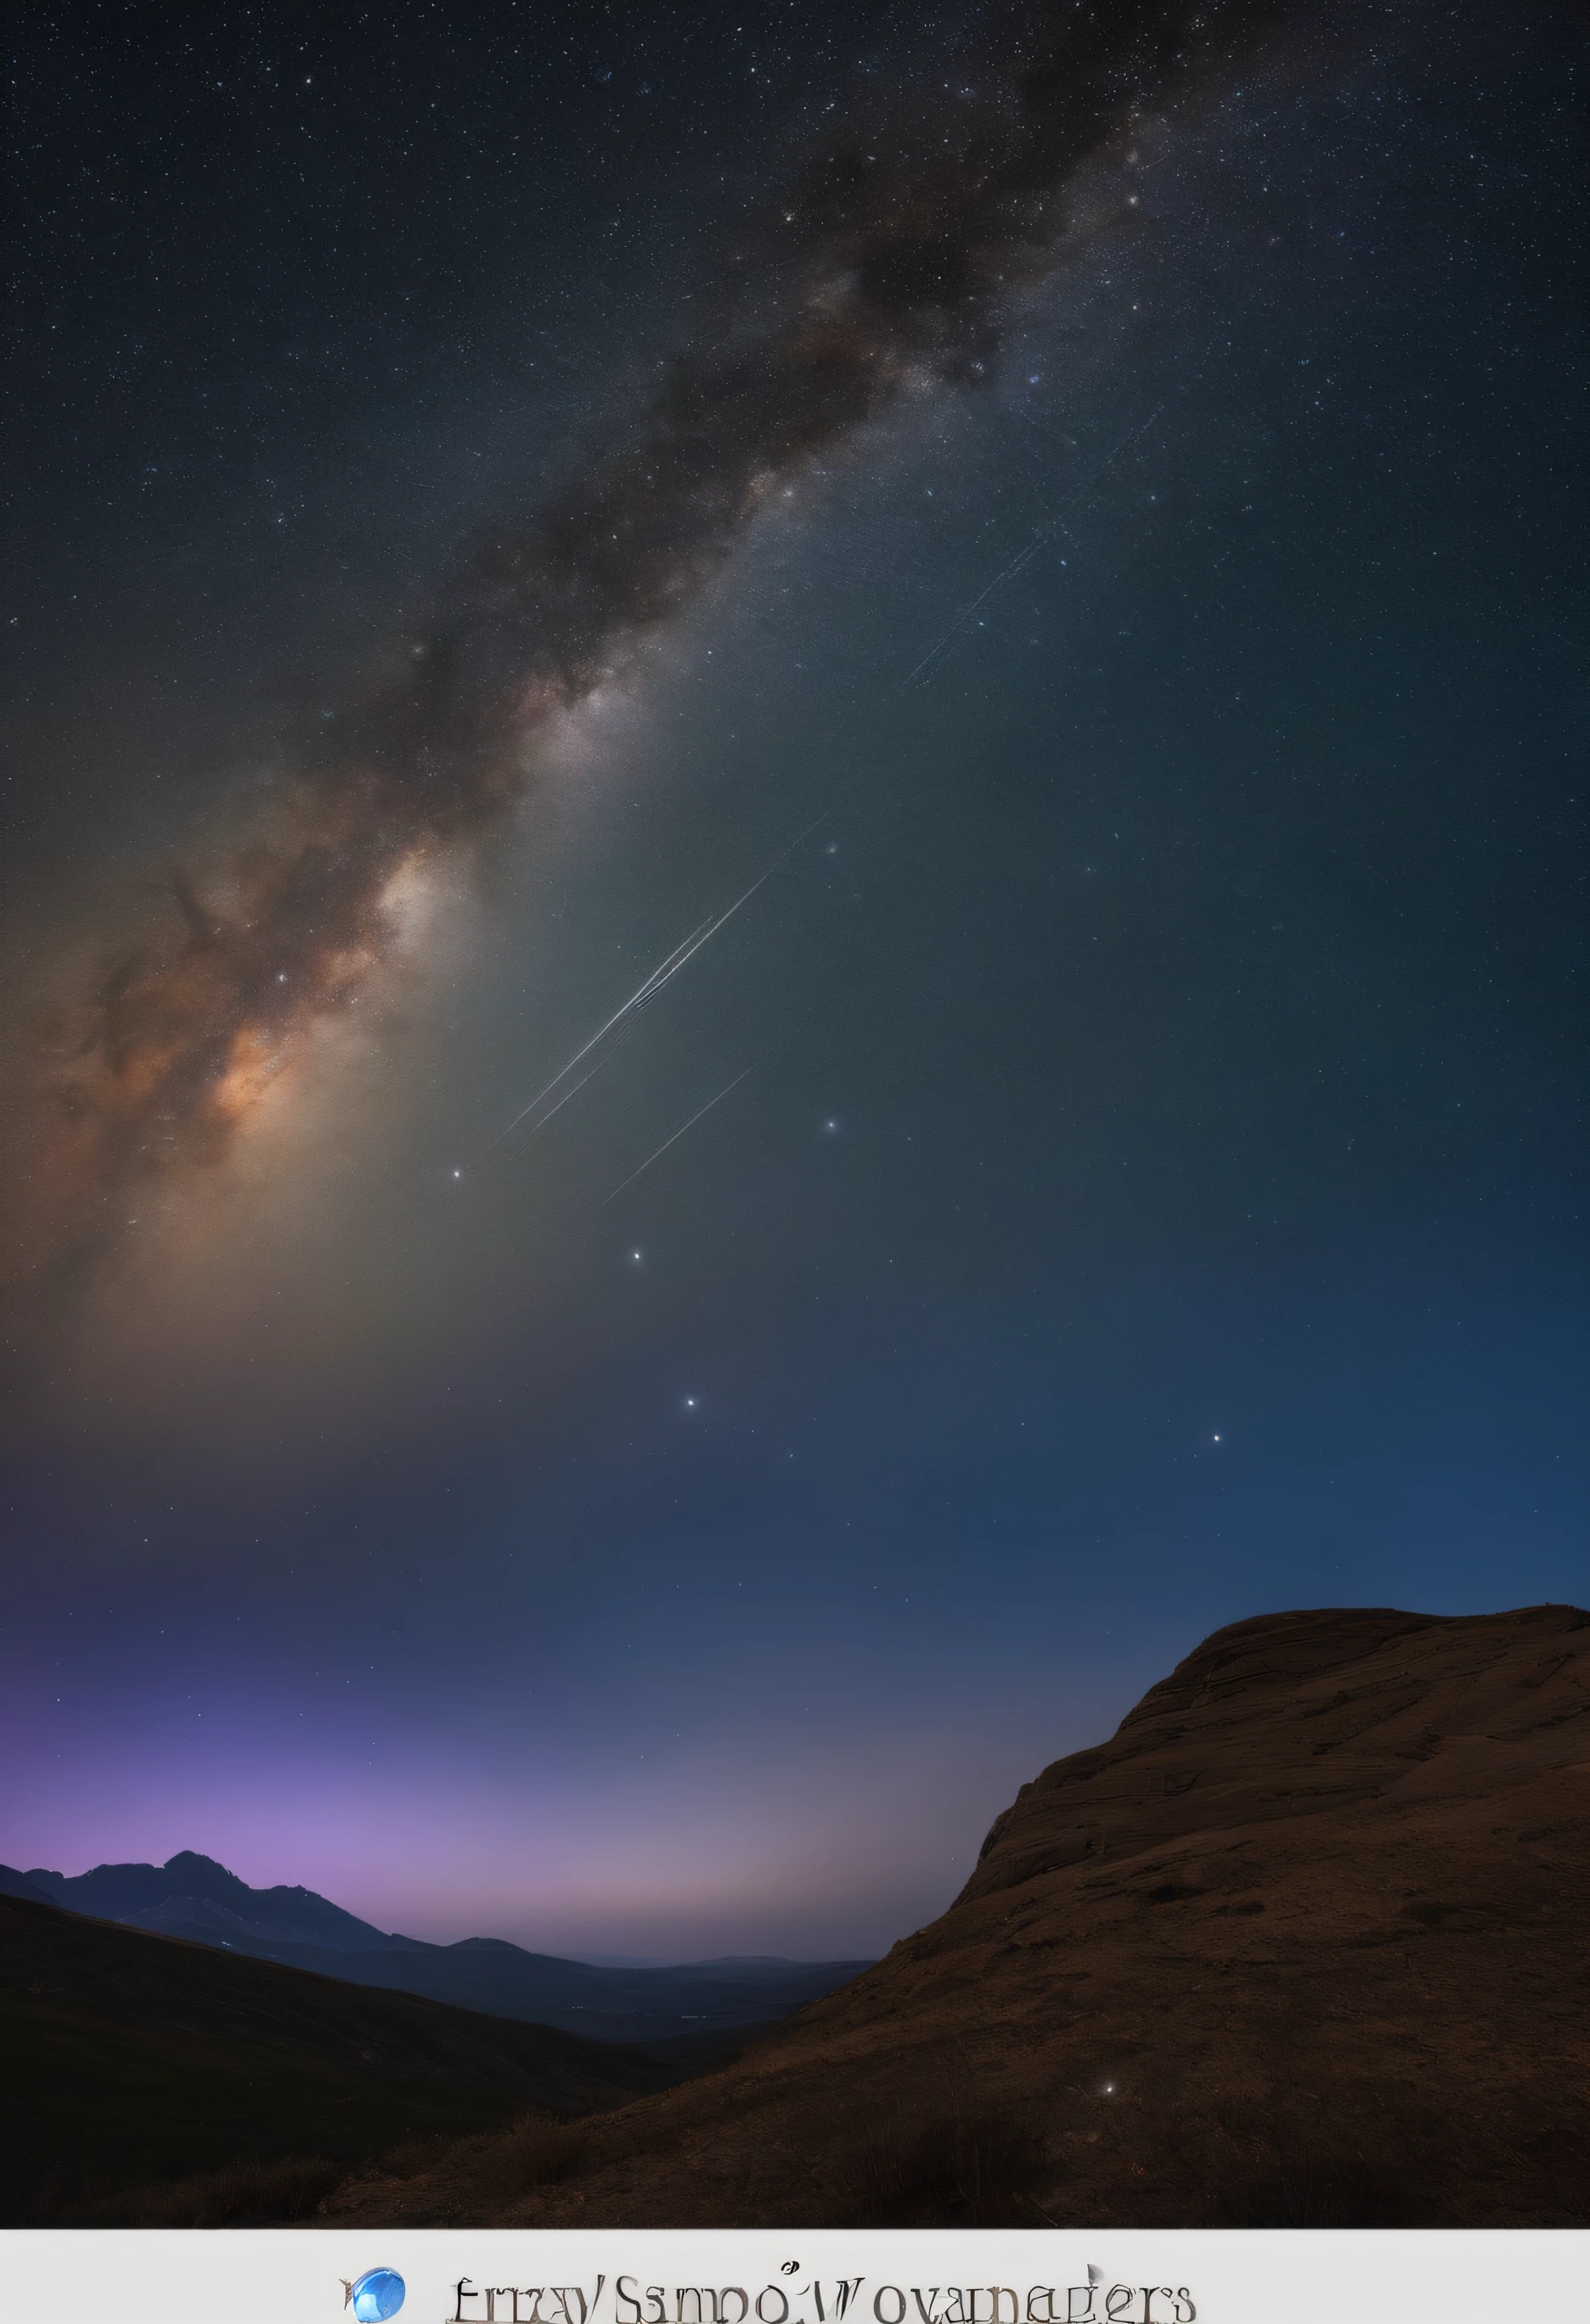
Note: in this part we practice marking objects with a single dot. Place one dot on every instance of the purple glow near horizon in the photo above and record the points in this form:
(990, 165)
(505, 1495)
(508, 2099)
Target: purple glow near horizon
(699, 1853)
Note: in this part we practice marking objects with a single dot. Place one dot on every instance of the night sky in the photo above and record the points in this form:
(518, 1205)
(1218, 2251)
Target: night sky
(1080, 505)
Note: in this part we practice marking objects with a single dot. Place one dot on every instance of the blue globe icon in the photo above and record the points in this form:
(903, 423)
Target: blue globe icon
(377, 2294)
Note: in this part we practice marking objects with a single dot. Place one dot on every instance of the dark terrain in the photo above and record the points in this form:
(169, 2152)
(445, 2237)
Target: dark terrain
(150, 2081)
(1304, 1944)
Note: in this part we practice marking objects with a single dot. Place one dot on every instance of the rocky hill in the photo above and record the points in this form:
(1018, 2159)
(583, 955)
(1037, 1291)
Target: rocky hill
(1304, 1944)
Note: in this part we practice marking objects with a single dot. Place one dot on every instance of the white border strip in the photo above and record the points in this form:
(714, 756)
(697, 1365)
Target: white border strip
(673, 2276)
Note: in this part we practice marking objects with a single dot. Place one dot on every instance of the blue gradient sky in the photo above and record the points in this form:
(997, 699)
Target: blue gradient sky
(1157, 1195)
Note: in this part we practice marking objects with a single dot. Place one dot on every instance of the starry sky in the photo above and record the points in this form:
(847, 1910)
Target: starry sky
(1068, 520)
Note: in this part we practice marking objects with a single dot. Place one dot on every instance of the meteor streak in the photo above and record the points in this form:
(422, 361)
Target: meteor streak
(645, 992)
(1024, 557)
(678, 1134)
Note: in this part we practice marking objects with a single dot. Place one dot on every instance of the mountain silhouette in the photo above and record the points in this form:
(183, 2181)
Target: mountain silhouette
(194, 1897)
(190, 1895)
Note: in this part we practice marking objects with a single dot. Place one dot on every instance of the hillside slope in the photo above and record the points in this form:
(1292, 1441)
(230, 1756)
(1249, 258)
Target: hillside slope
(132, 2061)
(1304, 1944)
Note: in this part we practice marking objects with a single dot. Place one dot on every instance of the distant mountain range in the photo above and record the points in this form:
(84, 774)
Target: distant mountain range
(195, 1897)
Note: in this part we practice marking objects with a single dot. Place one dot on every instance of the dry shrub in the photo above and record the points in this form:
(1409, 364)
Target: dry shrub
(416, 2157)
(1390, 2157)
(242, 2195)
(1292, 2171)
(949, 2168)
(535, 2151)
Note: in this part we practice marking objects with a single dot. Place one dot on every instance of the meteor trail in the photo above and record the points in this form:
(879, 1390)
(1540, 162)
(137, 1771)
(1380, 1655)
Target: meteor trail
(678, 1134)
(645, 992)
(1024, 557)
(589, 1075)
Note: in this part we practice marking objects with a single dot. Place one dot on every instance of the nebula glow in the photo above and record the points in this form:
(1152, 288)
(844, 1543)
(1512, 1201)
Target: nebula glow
(904, 244)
